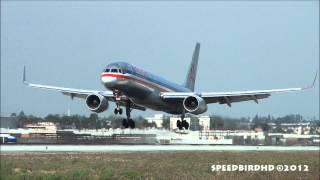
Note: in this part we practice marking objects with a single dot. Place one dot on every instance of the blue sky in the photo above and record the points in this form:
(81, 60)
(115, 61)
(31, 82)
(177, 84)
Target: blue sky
(244, 46)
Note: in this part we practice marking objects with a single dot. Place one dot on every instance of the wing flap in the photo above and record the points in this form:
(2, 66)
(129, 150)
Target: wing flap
(233, 99)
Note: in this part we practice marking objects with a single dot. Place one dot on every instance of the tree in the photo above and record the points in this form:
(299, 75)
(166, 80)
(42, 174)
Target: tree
(263, 125)
(93, 117)
(290, 131)
(166, 123)
(53, 118)
(278, 129)
(216, 122)
(94, 120)
(116, 123)
(21, 114)
(22, 119)
(146, 124)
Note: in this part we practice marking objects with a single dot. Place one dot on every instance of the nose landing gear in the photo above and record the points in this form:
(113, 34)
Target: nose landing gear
(118, 98)
(128, 122)
(118, 110)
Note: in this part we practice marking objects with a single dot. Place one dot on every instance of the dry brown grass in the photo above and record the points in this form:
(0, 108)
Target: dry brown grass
(152, 165)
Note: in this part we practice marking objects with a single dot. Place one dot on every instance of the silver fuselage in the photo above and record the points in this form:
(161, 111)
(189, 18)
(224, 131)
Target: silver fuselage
(142, 87)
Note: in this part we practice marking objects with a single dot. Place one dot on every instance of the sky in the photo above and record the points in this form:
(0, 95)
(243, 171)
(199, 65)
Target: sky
(245, 45)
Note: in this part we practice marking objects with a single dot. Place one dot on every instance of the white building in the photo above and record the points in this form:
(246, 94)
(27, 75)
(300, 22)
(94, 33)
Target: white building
(157, 119)
(293, 128)
(42, 127)
(204, 122)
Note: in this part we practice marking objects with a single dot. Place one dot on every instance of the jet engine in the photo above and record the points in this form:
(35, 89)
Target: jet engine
(195, 105)
(97, 103)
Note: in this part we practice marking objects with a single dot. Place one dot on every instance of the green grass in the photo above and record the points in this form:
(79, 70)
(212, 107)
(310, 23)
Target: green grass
(152, 165)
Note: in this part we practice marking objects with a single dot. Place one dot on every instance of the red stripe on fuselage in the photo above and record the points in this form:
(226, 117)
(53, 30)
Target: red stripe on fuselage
(114, 75)
(135, 79)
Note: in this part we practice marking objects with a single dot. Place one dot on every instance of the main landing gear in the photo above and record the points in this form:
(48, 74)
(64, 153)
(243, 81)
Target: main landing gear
(182, 123)
(128, 122)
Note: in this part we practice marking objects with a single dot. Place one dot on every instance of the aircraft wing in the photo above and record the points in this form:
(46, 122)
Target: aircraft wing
(231, 97)
(81, 93)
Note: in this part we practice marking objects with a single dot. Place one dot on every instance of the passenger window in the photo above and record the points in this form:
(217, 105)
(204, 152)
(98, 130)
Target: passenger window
(114, 70)
(120, 71)
(107, 70)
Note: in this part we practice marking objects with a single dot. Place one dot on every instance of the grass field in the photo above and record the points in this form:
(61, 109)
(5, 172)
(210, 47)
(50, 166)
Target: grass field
(152, 165)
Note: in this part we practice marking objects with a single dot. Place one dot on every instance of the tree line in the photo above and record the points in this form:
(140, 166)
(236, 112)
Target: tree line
(263, 122)
(93, 121)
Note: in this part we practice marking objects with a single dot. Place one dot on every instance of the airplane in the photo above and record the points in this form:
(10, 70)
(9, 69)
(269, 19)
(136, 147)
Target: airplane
(134, 88)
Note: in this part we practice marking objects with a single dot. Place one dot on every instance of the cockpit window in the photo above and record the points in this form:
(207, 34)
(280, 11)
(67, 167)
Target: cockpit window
(107, 70)
(114, 70)
(120, 71)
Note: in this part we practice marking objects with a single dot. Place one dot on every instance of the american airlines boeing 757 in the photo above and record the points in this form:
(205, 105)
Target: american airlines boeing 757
(134, 88)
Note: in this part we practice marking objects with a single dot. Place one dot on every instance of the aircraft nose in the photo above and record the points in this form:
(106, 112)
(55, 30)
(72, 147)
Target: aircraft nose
(108, 79)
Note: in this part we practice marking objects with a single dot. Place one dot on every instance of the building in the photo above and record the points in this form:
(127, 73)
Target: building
(200, 123)
(204, 122)
(157, 119)
(9, 122)
(42, 127)
(292, 139)
(293, 128)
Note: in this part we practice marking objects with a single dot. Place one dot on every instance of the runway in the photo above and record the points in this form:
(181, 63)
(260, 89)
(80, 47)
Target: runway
(148, 148)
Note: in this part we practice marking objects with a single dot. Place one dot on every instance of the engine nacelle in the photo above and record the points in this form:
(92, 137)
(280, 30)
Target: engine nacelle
(195, 105)
(97, 103)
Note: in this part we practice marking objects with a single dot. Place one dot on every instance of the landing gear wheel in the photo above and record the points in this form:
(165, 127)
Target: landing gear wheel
(125, 123)
(131, 123)
(179, 124)
(115, 111)
(185, 124)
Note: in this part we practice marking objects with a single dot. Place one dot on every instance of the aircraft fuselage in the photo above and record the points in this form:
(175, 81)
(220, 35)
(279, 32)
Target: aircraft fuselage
(141, 87)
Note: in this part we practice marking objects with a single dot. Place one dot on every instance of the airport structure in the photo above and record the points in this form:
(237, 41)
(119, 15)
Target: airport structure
(199, 133)
(296, 128)
(8, 122)
(157, 119)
